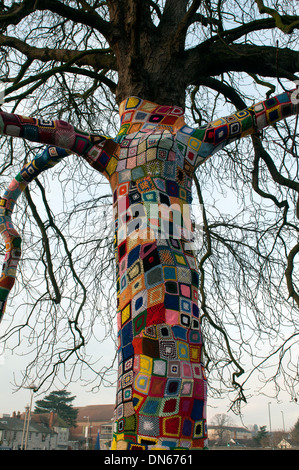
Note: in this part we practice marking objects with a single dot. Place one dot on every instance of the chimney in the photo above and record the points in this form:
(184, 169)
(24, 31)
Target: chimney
(51, 420)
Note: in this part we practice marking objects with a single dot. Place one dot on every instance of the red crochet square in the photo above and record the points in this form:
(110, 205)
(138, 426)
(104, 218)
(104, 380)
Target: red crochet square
(155, 315)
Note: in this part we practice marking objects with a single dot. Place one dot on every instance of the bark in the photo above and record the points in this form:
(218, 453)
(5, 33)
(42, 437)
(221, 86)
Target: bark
(150, 59)
(148, 65)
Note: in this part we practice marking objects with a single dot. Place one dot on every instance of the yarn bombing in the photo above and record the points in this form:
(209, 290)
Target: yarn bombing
(161, 388)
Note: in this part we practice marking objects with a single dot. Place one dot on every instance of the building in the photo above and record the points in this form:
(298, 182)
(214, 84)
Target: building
(16, 434)
(55, 424)
(226, 435)
(91, 420)
(284, 444)
(47, 432)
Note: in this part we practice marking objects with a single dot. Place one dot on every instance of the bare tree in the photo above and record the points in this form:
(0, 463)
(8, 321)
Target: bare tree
(77, 60)
(222, 422)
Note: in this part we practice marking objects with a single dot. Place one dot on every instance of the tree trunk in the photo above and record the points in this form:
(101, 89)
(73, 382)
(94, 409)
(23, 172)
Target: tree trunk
(149, 59)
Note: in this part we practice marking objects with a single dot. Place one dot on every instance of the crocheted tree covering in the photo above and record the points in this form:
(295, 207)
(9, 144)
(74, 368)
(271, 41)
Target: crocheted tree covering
(161, 389)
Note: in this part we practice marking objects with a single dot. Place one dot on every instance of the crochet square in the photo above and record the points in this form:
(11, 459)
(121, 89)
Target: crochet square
(127, 394)
(171, 317)
(150, 347)
(172, 387)
(137, 285)
(127, 379)
(139, 302)
(160, 367)
(166, 257)
(126, 314)
(127, 333)
(156, 295)
(186, 370)
(171, 426)
(171, 302)
(197, 410)
(185, 290)
(195, 352)
(183, 351)
(199, 389)
(186, 388)
(195, 310)
(187, 427)
(150, 260)
(185, 305)
(134, 271)
(194, 337)
(142, 383)
(155, 315)
(199, 429)
(128, 408)
(139, 322)
(138, 400)
(174, 369)
(168, 349)
(130, 423)
(149, 426)
(169, 273)
(197, 371)
(157, 386)
(133, 255)
(123, 189)
(145, 364)
(123, 283)
(151, 407)
(150, 332)
(170, 406)
(164, 332)
(153, 277)
(180, 332)
(186, 406)
(128, 364)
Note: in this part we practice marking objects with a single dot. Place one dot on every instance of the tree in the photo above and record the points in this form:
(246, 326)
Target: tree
(60, 403)
(78, 60)
(295, 433)
(262, 437)
(222, 421)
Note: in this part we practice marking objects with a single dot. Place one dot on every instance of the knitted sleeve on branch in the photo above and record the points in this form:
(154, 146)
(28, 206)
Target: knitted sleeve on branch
(57, 132)
(212, 137)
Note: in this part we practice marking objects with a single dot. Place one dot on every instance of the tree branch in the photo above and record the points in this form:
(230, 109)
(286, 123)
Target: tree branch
(96, 58)
(46, 245)
(19, 11)
(203, 306)
(286, 23)
(218, 58)
(40, 78)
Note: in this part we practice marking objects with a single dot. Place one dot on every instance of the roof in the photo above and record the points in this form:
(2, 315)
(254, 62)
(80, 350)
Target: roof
(96, 413)
(17, 424)
(49, 419)
(230, 428)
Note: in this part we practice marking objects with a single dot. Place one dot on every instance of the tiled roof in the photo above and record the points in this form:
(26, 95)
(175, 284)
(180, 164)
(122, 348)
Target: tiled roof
(17, 424)
(230, 428)
(96, 413)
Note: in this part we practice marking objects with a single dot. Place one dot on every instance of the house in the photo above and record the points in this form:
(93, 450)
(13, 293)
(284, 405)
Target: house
(284, 444)
(57, 425)
(91, 420)
(225, 435)
(16, 433)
